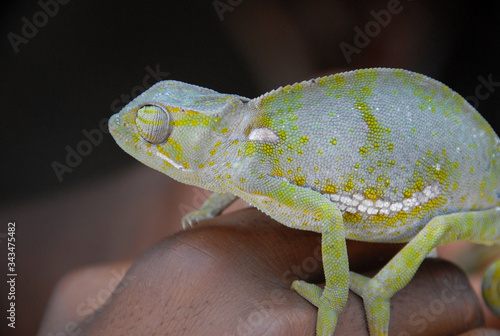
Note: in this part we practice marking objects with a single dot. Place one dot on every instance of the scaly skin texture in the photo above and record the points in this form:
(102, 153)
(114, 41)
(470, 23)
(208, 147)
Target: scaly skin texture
(377, 155)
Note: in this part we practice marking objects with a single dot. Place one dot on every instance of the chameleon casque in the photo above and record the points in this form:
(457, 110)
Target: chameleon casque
(377, 155)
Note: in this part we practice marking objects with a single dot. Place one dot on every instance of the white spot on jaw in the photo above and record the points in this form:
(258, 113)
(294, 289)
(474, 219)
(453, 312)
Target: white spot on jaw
(165, 158)
(263, 135)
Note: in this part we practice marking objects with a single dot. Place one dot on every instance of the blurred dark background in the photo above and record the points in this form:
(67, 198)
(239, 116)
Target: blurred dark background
(86, 59)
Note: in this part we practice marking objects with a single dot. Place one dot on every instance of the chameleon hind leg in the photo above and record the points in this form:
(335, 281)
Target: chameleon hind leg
(475, 226)
(303, 208)
(331, 300)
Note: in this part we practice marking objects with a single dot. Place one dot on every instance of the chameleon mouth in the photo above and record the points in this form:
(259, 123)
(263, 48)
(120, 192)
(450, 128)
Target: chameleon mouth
(114, 125)
(121, 129)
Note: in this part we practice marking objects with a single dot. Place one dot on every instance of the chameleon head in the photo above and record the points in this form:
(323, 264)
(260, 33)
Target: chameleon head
(173, 127)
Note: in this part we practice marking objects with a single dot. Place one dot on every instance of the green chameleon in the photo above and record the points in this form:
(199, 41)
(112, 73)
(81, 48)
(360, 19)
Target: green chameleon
(376, 155)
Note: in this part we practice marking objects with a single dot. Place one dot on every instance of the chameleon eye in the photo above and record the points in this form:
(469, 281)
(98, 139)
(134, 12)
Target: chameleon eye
(152, 122)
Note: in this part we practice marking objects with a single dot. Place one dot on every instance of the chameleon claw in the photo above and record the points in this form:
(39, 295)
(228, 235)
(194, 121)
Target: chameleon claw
(194, 218)
(310, 292)
(328, 311)
(212, 207)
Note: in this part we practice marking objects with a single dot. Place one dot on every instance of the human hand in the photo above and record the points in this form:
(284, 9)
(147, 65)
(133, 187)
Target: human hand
(231, 276)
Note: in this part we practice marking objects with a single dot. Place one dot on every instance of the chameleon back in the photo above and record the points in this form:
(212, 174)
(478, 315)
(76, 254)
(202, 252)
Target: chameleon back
(391, 148)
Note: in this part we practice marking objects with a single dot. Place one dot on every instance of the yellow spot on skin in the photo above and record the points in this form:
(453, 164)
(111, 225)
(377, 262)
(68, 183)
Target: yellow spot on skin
(349, 186)
(333, 141)
(277, 171)
(175, 144)
(372, 193)
(249, 148)
(329, 188)
(299, 180)
(268, 149)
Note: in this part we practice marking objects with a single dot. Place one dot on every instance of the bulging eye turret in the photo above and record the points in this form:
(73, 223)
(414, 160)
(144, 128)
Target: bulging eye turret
(153, 123)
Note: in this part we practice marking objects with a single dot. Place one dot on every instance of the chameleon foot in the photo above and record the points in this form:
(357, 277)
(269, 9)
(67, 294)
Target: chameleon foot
(310, 292)
(329, 307)
(193, 218)
(376, 302)
(212, 207)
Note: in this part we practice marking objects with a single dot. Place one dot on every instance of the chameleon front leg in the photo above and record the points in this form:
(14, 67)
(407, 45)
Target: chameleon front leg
(475, 226)
(213, 206)
(331, 300)
(307, 209)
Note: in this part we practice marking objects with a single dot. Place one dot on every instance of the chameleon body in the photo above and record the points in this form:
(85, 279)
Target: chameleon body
(377, 155)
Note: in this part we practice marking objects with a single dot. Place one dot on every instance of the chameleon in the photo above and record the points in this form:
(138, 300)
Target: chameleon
(376, 155)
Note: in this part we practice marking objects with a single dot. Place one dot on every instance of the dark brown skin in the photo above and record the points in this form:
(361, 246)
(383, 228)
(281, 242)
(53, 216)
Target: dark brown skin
(232, 275)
